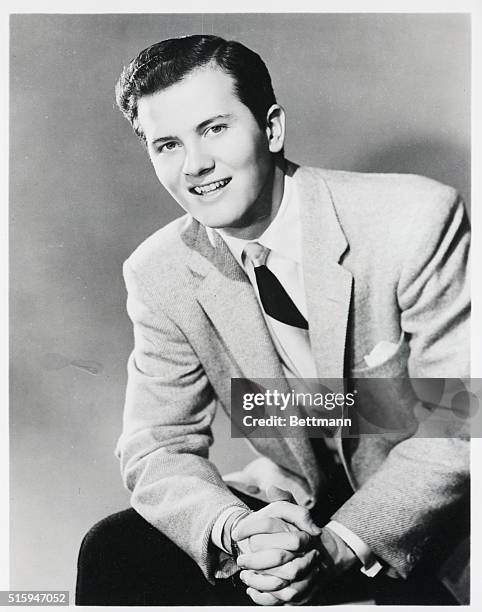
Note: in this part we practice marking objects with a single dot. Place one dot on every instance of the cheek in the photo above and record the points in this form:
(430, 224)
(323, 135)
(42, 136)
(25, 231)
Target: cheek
(245, 150)
(260, 160)
(166, 175)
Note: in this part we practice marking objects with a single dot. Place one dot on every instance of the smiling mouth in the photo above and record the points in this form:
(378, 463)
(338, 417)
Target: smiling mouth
(209, 187)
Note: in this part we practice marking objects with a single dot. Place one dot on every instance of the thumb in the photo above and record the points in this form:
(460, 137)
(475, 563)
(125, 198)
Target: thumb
(276, 494)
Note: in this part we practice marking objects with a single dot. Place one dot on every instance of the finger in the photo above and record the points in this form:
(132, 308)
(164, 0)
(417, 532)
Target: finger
(297, 568)
(296, 541)
(264, 559)
(297, 590)
(263, 599)
(307, 597)
(291, 513)
(276, 494)
(257, 524)
(262, 582)
(298, 493)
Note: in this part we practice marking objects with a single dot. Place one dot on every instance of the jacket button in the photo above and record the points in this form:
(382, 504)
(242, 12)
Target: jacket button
(414, 556)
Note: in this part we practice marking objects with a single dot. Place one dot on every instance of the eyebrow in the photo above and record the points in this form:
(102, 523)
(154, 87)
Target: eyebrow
(199, 128)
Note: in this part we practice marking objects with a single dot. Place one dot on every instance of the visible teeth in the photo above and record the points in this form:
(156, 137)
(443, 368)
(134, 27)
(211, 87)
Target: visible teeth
(202, 189)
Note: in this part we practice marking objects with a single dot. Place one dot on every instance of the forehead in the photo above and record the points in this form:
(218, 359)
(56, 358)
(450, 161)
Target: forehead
(203, 93)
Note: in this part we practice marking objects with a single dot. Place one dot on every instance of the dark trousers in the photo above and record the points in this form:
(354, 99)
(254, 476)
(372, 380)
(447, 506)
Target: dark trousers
(123, 560)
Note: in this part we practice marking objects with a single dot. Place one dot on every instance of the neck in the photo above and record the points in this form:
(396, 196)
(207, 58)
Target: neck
(266, 207)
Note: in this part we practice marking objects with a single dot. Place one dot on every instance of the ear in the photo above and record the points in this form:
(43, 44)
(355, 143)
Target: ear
(275, 128)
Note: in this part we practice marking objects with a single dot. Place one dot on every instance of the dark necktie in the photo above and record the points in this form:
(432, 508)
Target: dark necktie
(276, 302)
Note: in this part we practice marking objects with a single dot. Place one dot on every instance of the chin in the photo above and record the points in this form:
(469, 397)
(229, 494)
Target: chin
(219, 224)
(220, 221)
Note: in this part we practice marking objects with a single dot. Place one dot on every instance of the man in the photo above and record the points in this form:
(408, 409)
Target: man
(369, 277)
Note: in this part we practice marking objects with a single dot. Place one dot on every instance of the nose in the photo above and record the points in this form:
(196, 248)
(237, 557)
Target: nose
(197, 161)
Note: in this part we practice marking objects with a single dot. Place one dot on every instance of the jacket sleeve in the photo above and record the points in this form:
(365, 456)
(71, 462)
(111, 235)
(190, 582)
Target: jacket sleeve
(166, 433)
(401, 509)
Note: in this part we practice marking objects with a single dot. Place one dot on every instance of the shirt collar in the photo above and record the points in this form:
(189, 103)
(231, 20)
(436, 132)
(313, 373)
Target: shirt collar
(283, 234)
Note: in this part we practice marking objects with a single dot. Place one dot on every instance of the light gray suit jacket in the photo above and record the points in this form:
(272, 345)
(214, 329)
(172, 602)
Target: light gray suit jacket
(384, 258)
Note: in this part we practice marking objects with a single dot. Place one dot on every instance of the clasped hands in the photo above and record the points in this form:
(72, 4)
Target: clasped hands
(285, 556)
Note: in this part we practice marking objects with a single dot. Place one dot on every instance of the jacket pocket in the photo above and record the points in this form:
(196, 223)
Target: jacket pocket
(394, 366)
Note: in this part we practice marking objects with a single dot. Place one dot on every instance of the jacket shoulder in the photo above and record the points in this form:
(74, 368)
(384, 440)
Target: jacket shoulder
(162, 250)
(397, 195)
(377, 184)
(384, 215)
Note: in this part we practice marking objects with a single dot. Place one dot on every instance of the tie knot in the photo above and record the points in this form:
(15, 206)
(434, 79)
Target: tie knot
(256, 253)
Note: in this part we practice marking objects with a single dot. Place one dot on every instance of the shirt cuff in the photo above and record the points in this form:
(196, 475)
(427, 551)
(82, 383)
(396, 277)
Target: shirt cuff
(370, 564)
(231, 514)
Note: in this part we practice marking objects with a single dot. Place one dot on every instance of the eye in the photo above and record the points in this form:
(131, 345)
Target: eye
(216, 129)
(171, 145)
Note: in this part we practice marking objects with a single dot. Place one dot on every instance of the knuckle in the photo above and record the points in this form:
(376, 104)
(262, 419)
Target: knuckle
(287, 594)
(291, 572)
(254, 544)
(302, 539)
(267, 600)
(296, 568)
(271, 583)
(278, 583)
(256, 598)
(284, 556)
(293, 540)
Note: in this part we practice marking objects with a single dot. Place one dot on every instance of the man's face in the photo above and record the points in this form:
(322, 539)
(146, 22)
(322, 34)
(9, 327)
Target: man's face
(208, 150)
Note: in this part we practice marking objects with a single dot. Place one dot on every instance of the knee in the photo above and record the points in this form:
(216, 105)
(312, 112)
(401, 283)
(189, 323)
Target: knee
(124, 536)
(106, 534)
(122, 559)
(100, 566)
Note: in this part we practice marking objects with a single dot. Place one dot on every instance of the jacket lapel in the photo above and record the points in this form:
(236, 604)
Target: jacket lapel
(327, 284)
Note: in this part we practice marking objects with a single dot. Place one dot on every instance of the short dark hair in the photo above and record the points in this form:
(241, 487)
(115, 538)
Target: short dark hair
(169, 61)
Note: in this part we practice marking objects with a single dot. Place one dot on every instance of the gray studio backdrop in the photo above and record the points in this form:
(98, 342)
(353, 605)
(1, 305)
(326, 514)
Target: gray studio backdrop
(362, 92)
